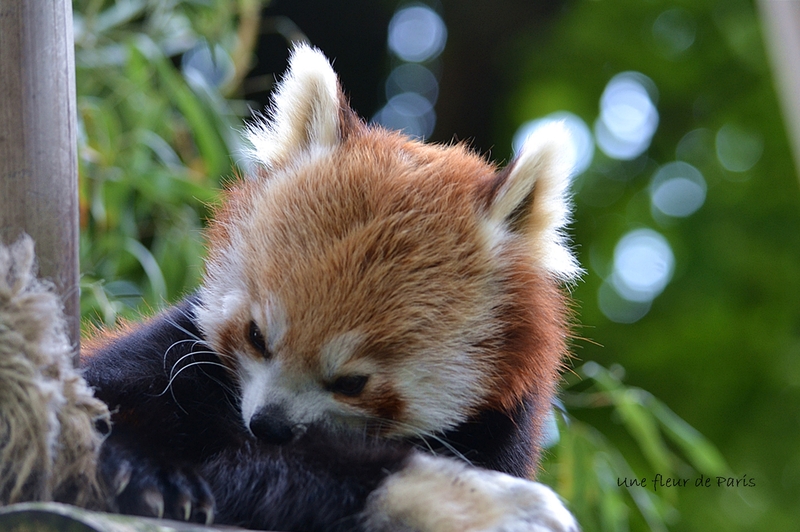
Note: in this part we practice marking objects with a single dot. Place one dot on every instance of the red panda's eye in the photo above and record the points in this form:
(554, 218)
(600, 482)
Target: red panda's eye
(256, 339)
(351, 385)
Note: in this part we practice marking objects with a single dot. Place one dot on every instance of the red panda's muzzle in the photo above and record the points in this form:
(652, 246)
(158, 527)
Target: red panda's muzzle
(271, 425)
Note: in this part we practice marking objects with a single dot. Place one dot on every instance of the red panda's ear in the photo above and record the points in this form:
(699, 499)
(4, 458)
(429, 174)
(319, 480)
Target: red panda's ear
(531, 198)
(306, 112)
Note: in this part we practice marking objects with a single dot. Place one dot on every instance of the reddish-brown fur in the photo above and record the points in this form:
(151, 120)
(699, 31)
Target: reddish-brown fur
(376, 200)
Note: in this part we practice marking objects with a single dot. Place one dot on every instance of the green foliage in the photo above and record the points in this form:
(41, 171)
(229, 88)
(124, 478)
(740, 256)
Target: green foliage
(153, 149)
(604, 489)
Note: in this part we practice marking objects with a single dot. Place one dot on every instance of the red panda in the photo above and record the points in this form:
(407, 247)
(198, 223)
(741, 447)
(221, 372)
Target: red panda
(381, 323)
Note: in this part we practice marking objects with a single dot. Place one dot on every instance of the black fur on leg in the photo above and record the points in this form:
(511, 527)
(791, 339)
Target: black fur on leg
(140, 484)
(502, 441)
(319, 482)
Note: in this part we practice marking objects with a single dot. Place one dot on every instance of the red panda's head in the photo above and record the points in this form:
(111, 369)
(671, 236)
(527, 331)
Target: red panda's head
(365, 279)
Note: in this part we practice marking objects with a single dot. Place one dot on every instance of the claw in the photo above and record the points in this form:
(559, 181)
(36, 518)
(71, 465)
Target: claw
(154, 502)
(122, 477)
(187, 509)
(208, 512)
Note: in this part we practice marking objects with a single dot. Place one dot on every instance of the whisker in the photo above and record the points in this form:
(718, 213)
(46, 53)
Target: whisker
(166, 353)
(229, 390)
(190, 354)
(173, 374)
(449, 447)
(423, 436)
(187, 366)
(184, 330)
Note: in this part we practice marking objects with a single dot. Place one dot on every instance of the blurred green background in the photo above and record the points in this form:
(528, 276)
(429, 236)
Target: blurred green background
(687, 205)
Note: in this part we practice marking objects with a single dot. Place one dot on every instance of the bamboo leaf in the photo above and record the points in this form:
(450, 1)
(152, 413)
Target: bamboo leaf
(210, 144)
(157, 283)
(702, 454)
(637, 419)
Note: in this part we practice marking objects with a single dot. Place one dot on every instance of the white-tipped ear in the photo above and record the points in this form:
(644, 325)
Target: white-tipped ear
(532, 198)
(305, 113)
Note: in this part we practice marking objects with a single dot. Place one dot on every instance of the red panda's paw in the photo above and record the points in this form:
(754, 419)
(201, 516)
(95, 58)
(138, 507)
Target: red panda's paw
(442, 495)
(139, 486)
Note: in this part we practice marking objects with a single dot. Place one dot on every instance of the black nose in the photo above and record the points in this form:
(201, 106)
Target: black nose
(271, 425)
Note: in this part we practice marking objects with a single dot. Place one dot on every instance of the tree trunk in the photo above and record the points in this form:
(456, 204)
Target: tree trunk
(38, 146)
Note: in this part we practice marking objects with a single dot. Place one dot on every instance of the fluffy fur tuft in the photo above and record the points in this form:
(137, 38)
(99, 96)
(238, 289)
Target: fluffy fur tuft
(542, 171)
(48, 441)
(304, 114)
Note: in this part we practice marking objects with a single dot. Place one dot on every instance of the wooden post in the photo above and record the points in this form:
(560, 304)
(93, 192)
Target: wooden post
(38, 145)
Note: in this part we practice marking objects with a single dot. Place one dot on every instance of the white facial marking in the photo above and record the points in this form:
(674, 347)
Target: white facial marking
(439, 389)
(275, 319)
(230, 304)
(267, 382)
(257, 378)
(338, 351)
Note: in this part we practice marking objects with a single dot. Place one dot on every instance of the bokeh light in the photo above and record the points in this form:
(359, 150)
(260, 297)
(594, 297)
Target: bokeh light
(738, 150)
(643, 264)
(410, 113)
(207, 66)
(417, 33)
(696, 147)
(674, 32)
(412, 77)
(628, 116)
(678, 189)
(617, 308)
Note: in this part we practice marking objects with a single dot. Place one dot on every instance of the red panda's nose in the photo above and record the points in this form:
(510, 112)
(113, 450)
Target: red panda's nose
(271, 425)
